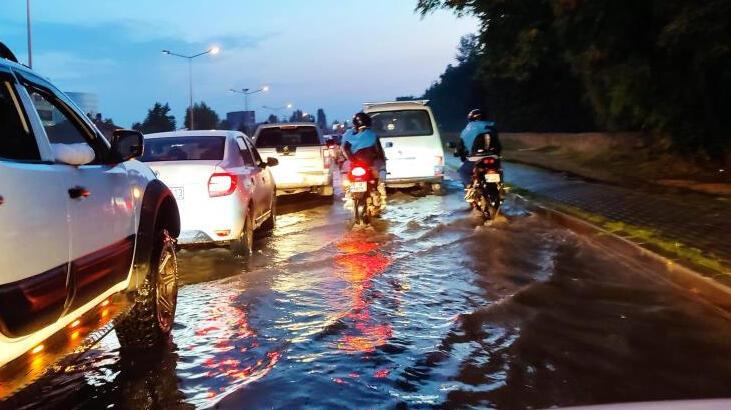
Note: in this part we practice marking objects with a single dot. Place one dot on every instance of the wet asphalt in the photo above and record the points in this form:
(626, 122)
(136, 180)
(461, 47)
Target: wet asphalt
(428, 308)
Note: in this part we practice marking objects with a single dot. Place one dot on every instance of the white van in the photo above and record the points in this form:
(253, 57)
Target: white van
(411, 141)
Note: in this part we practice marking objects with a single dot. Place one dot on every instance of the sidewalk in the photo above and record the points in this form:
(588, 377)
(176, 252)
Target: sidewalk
(693, 229)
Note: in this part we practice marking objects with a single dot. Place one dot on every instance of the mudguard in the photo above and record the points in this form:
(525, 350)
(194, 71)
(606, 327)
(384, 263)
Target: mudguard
(159, 210)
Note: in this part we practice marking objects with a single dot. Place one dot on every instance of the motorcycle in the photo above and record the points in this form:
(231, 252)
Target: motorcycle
(486, 191)
(364, 194)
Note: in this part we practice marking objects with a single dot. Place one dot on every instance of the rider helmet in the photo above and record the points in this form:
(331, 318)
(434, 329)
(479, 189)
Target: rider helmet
(475, 115)
(361, 120)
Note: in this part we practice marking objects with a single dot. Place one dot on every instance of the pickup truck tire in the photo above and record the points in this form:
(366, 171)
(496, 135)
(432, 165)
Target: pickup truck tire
(326, 191)
(438, 189)
(150, 321)
(242, 246)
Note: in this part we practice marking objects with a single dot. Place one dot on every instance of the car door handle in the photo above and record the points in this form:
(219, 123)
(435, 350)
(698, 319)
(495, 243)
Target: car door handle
(79, 192)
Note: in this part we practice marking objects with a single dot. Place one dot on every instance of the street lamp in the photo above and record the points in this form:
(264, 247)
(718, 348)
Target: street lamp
(213, 51)
(277, 110)
(247, 92)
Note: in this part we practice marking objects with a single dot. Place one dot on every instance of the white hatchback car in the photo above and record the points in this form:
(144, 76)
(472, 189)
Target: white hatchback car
(224, 189)
(411, 141)
(305, 161)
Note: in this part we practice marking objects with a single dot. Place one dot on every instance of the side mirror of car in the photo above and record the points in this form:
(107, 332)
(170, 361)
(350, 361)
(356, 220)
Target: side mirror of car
(127, 144)
(451, 145)
(272, 162)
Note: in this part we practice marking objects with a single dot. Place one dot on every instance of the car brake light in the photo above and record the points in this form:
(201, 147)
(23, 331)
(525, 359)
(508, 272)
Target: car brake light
(358, 171)
(489, 160)
(221, 184)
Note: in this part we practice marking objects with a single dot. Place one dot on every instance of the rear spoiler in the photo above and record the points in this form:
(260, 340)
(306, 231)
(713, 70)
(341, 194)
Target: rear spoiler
(418, 102)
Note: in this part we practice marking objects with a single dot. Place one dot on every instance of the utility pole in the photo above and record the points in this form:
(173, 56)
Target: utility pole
(28, 27)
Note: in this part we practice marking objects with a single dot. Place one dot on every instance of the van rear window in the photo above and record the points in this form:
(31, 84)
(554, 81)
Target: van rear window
(184, 149)
(402, 123)
(288, 137)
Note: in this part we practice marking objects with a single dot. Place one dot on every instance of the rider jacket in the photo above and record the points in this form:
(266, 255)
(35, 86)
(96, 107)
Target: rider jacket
(469, 142)
(363, 146)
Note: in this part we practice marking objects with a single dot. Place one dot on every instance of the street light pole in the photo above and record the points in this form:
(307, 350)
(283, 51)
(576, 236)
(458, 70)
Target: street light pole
(247, 92)
(213, 50)
(28, 28)
(277, 110)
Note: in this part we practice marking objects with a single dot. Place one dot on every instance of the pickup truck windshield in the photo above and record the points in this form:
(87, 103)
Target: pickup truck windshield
(184, 149)
(288, 137)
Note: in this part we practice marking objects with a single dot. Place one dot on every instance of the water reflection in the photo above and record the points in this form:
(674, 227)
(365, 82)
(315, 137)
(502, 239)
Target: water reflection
(358, 263)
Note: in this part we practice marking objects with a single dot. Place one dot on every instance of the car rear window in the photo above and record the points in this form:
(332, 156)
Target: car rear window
(184, 149)
(402, 123)
(287, 137)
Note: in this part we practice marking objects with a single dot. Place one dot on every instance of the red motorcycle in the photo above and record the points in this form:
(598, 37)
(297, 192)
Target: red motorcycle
(363, 191)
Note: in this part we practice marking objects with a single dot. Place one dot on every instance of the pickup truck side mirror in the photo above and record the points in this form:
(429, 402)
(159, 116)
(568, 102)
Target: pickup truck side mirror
(272, 162)
(127, 144)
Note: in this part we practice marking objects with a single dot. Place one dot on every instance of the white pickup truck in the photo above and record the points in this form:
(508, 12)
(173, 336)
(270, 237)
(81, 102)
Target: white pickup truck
(305, 161)
(86, 232)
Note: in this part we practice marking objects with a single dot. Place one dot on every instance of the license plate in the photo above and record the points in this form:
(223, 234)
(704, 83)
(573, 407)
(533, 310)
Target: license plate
(178, 193)
(359, 187)
(492, 178)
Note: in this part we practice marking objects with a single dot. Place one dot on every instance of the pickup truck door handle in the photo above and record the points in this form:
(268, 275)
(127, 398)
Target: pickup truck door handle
(78, 192)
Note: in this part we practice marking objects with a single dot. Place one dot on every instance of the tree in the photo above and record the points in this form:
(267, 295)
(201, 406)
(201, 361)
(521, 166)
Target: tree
(321, 119)
(272, 119)
(158, 120)
(225, 125)
(205, 117)
(661, 66)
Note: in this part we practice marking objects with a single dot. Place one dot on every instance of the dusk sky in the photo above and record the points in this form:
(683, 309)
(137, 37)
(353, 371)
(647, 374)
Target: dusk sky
(317, 53)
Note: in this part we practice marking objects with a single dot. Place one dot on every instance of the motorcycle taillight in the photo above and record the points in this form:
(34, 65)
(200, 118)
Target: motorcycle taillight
(359, 173)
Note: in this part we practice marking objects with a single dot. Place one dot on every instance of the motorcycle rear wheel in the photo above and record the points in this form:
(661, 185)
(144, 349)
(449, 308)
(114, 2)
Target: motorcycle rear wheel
(360, 206)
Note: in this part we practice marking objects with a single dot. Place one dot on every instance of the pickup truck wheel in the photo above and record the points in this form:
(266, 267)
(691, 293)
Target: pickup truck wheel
(150, 321)
(438, 189)
(326, 191)
(243, 245)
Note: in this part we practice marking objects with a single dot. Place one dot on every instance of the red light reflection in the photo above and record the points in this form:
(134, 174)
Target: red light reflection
(358, 264)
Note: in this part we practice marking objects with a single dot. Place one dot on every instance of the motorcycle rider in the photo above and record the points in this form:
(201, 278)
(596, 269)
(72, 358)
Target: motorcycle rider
(362, 145)
(477, 125)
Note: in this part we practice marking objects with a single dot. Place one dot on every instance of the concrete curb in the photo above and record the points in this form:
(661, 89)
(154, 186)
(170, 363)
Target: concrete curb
(664, 268)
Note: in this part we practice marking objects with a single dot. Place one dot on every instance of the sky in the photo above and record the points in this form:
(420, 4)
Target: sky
(330, 54)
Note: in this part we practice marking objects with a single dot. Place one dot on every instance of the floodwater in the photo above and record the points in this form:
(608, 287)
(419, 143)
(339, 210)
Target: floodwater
(428, 309)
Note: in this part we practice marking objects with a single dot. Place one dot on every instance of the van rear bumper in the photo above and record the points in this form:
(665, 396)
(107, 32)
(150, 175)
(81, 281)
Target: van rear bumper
(405, 182)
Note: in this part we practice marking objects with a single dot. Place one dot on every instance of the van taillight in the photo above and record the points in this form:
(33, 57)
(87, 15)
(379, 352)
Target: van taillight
(221, 184)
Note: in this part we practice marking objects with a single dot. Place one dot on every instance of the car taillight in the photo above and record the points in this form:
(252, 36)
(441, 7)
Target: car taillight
(358, 171)
(221, 184)
(489, 161)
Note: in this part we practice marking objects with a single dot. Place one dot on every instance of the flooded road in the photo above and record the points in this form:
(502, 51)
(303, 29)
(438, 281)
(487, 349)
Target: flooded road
(428, 309)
